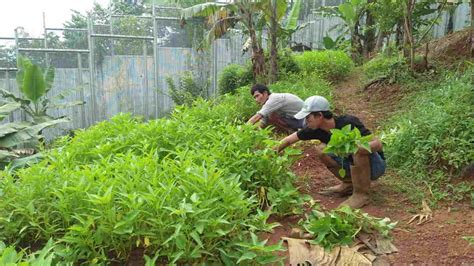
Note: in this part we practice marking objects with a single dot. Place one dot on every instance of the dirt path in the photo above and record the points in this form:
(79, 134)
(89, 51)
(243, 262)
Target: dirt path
(436, 242)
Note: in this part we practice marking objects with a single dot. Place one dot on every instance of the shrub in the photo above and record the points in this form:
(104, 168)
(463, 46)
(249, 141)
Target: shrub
(186, 90)
(232, 77)
(303, 86)
(287, 64)
(392, 68)
(331, 65)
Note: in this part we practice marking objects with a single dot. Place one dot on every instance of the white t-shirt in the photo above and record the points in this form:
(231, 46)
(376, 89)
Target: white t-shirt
(285, 104)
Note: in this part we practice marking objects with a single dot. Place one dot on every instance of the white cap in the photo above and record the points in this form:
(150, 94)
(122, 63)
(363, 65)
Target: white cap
(313, 104)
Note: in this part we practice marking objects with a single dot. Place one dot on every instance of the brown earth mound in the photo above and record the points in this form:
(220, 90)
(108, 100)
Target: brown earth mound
(451, 47)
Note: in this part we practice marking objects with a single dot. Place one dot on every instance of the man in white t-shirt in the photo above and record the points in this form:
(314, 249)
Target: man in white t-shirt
(278, 109)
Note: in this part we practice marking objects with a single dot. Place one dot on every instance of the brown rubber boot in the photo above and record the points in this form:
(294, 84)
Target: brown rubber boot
(361, 183)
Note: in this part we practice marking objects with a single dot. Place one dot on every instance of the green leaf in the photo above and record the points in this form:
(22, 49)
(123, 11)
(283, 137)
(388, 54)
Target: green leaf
(25, 162)
(23, 63)
(202, 10)
(10, 128)
(329, 43)
(49, 78)
(347, 12)
(200, 228)
(196, 238)
(6, 154)
(25, 134)
(342, 172)
(293, 16)
(247, 256)
(7, 94)
(6, 109)
(34, 86)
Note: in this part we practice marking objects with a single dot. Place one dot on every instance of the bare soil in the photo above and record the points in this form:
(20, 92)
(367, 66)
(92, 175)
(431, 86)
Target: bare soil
(450, 48)
(436, 242)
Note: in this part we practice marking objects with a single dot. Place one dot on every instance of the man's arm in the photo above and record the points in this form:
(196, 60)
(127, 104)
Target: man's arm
(254, 119)
(287, 141)
(375, 146)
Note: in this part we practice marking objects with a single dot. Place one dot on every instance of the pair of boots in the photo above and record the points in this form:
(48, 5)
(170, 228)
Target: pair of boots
(359, 185)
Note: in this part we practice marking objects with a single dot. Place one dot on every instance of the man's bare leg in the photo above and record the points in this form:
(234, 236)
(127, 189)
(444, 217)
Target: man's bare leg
(343, 188)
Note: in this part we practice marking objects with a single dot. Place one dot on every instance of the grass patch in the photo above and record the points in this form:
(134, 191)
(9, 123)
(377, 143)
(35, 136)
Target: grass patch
(430, 139)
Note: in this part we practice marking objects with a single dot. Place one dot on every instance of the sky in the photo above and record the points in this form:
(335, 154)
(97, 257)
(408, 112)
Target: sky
(29, 14)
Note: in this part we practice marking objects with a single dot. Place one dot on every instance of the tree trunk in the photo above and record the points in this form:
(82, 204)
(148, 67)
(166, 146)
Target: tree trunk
(356, 44)
(399, 34)
(273, 77)
(379, 43)
(369, 36)
(408, 43)
(258, 57)
(472, 28)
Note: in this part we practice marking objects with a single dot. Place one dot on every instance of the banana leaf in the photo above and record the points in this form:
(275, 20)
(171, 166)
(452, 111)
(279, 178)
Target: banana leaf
(266, 7)
(23, 64)
(292, 21)
(4, 155)
(202, 10)
(8, 95)
(24, 162)
(12, 128)
(28, 134)
(34, 85)
(6, 109)
(48, 79)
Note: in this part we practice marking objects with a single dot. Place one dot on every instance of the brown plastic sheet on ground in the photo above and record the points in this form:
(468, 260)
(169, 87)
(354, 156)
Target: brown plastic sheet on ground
(303, 253)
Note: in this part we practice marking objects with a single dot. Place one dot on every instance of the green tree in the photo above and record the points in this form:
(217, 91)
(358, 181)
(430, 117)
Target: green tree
(351, 13)
(223, 17)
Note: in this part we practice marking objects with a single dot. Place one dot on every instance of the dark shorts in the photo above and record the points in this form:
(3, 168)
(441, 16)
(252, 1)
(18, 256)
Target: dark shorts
(377, 165)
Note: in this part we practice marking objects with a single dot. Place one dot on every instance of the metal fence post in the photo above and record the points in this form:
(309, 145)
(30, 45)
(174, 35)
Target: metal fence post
(155, 63)
(45, 31)
(7, 79)
(91, 70)
(81, 92)
(145, 73)
(17, 50)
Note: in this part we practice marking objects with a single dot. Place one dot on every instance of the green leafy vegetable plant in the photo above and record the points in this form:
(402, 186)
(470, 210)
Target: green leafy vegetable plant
(345, 142)
(341, 226)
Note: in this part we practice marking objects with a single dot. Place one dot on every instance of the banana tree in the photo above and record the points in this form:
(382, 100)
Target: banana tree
(26, 135)
(351, 13)
(252, 16)
(221, 17)
(274, 12)
(34, 86)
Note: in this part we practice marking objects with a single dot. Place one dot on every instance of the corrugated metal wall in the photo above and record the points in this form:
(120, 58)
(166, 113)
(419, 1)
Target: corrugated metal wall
(319, 26)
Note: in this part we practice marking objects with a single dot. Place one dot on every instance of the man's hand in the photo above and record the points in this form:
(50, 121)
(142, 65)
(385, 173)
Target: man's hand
(287, 141)
(375, 146)
(254, 119)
